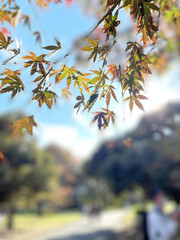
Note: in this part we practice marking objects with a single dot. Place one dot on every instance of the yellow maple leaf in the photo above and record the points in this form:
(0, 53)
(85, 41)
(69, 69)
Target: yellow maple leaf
(25, 123)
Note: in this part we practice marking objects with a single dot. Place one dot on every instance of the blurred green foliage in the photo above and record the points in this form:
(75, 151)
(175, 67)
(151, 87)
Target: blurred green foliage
(147, 156)
(27, 172)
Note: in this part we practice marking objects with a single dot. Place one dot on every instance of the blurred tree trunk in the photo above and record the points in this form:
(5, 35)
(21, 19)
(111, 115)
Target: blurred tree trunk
(39, 208)
(10, 216)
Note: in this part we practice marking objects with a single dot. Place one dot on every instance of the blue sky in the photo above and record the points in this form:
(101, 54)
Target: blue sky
(60, 22)
(61, 125)
(66, 24)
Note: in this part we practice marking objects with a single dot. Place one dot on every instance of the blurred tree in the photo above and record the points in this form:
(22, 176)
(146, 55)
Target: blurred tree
(151, 160)
(68, 178)
(25, 171)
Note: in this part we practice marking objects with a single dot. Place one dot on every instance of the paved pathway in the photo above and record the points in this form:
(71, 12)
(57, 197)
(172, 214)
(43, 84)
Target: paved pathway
(104, 227)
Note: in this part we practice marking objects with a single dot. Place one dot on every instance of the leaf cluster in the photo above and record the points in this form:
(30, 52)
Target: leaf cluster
(110, 25)
(103, 118)
(11, 82)
(94, 85)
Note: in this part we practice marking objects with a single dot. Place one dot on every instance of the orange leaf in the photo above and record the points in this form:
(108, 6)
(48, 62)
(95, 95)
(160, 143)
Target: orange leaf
(113, 70)
(141, 97)
(3, 158)
(145, 67)
(139, 104)
(114, 96)
(108, 96)
(131, 104)
(25, 123)
(153, 38)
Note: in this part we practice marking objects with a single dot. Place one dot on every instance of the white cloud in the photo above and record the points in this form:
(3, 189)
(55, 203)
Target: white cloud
(68, 138)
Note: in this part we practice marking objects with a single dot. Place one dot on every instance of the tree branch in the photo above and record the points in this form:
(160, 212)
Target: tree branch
(108, 12)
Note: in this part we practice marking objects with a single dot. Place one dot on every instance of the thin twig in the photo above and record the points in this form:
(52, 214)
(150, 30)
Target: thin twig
(108, 12)
(101, 20)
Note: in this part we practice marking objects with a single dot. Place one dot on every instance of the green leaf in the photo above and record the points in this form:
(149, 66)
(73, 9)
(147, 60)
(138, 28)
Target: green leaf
(146, 9)
(95, 79)
(51, 47)
(126, 3)
(152, 6)
(91, 101)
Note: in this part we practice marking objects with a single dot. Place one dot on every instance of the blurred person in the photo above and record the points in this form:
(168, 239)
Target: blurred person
(86, 209)
(161, 226)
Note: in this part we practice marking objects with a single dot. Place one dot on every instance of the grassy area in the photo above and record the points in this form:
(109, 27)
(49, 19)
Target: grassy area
(25, 222)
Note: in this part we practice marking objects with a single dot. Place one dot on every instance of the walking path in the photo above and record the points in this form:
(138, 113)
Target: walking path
(103, 227)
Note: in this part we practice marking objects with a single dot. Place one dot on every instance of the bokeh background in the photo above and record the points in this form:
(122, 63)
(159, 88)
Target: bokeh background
(49, 182)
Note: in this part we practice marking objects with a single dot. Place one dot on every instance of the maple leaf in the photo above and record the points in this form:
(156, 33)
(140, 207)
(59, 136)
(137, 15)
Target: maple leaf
(110, 115)
(114, 71)
(93, 48)
(41, 77)
(91, 101)
(82, 82)
(53, 48)
(134, 100)
(80, 102)
(110, 93)
(11, 72)
(139, 104)
(65, 93)
(103, 118)
(99, 80)
(100, 117)
(132, 78)
(110, 25)
(141, 12)
(35, 62)
(4, 43)
(11, 83)
(66, 73)
(47, 96)
(5, 15)
(24, 124)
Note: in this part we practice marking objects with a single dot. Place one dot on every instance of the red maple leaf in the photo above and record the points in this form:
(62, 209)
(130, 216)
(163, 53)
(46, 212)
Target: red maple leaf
(4, 31)
(69, 2)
